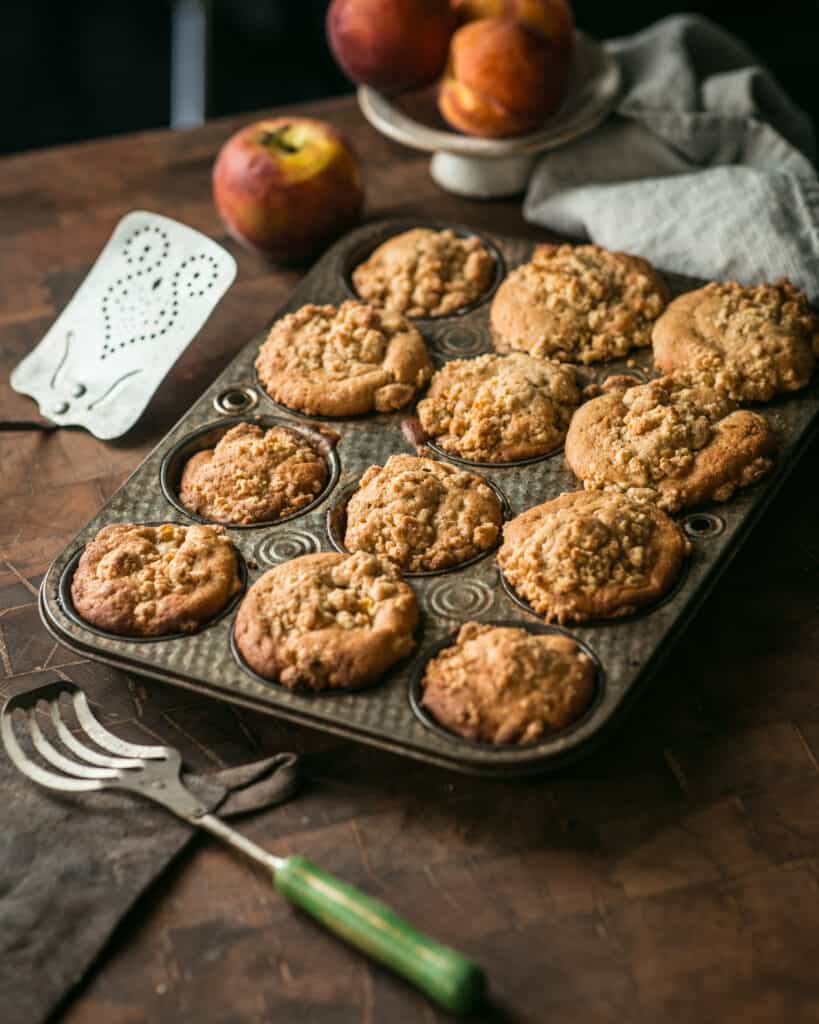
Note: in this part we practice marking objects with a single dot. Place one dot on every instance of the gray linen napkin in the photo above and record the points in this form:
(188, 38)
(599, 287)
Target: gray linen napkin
(71, 867)
(705, 169)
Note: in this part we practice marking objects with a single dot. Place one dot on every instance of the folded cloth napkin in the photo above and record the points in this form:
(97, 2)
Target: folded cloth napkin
(705, 169)
(71, 867)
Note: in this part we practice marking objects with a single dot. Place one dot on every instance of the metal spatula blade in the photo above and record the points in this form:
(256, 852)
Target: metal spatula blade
(154, 772)
(145, 299)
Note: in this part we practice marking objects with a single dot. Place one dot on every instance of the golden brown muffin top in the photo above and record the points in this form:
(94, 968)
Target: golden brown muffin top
(503, 684)
(253, 475)
(673, 441)
(150, 580)
(591, 555)
(751, 342)
(423, 272)
(343, 360)
(578, 303)
(327, 620)
(422, 514)
(500, 408)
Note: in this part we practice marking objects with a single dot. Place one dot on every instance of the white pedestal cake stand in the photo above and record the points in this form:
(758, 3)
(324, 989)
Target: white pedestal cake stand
(485, 168)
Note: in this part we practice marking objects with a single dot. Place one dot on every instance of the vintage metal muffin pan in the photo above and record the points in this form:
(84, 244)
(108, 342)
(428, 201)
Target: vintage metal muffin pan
(387, 714)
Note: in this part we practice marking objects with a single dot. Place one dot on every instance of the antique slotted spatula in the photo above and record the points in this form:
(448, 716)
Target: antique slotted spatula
(445, 975)
(145, 299)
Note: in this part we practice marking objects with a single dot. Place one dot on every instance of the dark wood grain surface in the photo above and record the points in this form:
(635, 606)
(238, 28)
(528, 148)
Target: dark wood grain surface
(673, 875)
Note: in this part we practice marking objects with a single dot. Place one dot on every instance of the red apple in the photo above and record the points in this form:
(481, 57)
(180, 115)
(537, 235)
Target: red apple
(392, 45)
(286, 186)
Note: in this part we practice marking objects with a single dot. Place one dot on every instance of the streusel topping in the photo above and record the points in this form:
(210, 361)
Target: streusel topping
(253, 475)
(135, 578)
(578, 303)
(343, 360)
(578, 549)
(666, 423)
(588, 555)
(752, 342)
(338, 342)
(425, 273)
(311, 596)
(672, 441)
(159, 560)
(499, 408)
(422, 514)
(503, 684)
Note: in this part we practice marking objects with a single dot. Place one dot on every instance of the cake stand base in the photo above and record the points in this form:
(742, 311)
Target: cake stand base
(480, 177)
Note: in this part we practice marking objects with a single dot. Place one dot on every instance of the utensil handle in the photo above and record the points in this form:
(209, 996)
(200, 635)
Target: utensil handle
(445, 975)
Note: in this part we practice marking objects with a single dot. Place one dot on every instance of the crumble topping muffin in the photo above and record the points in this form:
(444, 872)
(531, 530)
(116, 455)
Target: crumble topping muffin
(577, 303)
(343, 360)
(327, 620)
(752, 342)
(425, 273)
(587, 555)
(500, 408)
(152, 580)
(253, 475)
(503, 684)
(673, 441)
(421, 514)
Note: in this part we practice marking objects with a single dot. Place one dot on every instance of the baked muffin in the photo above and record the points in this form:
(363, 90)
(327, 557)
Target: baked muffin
(421, 514)
(425, 273)
(577, 303)
(327, 621)
(253, 475)
(672, 441)
(138, 580)
(504, 684)
(343, 360)
(587, 555)
(500, 408)
(752, 342)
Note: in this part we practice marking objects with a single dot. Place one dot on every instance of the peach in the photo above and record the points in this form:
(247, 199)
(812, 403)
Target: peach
(552, 18)
(502, 78)
(392, 45)
(286, 186)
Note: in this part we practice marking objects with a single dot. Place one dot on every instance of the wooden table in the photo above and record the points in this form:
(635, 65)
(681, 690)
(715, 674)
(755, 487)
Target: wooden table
(673, 875)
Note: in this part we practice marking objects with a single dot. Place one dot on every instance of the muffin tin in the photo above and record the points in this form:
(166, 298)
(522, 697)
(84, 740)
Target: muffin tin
(388, 714)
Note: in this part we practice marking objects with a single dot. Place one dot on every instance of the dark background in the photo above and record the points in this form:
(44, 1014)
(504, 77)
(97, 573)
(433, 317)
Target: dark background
(76, 70)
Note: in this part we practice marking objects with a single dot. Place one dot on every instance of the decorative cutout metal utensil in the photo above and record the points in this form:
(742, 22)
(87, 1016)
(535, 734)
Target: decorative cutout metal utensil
(147, 296)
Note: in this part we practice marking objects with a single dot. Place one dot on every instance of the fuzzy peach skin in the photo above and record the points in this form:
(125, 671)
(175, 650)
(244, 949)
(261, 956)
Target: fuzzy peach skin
(552, 18)
(391, 45)
(502, 79)
(286, 186)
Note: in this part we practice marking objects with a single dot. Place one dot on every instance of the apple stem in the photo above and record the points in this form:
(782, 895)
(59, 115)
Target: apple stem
(277, 140)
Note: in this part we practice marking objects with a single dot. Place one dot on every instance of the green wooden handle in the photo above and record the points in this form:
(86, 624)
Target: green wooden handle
(444, 974)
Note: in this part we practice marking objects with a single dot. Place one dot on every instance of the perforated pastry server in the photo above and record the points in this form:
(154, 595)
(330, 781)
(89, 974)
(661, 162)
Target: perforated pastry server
(145, 299)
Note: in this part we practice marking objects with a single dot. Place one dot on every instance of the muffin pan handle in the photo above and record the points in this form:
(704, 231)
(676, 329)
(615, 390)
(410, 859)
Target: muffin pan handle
(446, 976)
